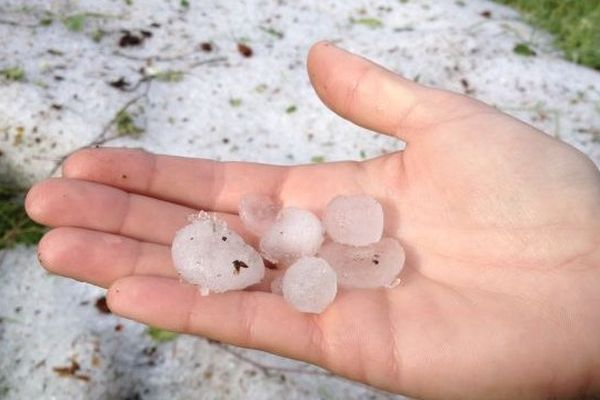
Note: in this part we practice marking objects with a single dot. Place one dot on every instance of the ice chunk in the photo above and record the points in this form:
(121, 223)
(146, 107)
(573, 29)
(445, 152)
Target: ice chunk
(310, 285)
(376, 265)
(258, 212)
(354, 220)
(295, 233)
(208, 254)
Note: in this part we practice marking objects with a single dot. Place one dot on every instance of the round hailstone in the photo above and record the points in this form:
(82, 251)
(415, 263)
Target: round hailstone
(258, 212)
(354, 220)
(295, 233)
(210, 255)
(309, 285)
(373, 266)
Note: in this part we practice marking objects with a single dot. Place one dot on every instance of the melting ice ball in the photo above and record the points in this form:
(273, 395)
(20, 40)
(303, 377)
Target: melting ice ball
(258, 212)
(309, 285)
(208, 254)
(354, 220)
(376, 265)
(295, 233)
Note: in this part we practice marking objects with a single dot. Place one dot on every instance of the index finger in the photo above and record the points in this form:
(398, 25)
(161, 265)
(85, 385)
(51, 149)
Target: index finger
(209, 184)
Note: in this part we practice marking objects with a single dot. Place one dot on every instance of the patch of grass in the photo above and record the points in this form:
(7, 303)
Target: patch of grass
(126, 125)
(78, 22)
(261, 88)
(272, 31)
(14, 74)
(575, 24)
(169, 76)
(15, 225)
(46, 21)
(75, 22)
(372, 23)
(235, 102)
(523, 49)
(160, 335)
(97, 35)
(317, 159)
(291, 109)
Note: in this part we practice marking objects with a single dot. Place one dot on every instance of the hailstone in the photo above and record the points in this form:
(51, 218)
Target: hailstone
(373, 266)
(258, 212)
(309, 285)
(208, 254)
(294, 234)
(354, 220)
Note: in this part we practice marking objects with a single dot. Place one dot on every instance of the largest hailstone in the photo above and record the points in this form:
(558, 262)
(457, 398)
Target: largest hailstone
(210, 255)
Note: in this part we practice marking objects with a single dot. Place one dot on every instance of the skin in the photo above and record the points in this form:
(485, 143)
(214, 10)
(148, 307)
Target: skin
(500, 296)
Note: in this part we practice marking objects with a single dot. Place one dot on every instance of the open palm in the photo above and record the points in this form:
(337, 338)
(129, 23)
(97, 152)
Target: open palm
(501, 293)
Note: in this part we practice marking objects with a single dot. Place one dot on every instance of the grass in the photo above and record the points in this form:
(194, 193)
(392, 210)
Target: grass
(575, 24)
(15, 225)
(524, 50)
(272, 31)
(235, 102)
(75, 22)
(126, 125)
(160, 335)
(13, 74)
(169, 76)
(372, 23)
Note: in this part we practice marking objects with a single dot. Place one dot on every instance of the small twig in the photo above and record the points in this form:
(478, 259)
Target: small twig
(19, 24)
(209, 61)
(153, 58)
(173, 57)
(102, 137)
(92, 14)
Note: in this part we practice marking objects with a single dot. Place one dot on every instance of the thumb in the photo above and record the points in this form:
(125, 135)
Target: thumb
(376, 98)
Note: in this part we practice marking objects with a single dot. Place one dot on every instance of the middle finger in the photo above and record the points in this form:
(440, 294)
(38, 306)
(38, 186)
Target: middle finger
(89, 205)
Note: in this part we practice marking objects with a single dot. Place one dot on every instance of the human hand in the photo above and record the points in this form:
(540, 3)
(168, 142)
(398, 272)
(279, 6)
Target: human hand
(500, 297)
